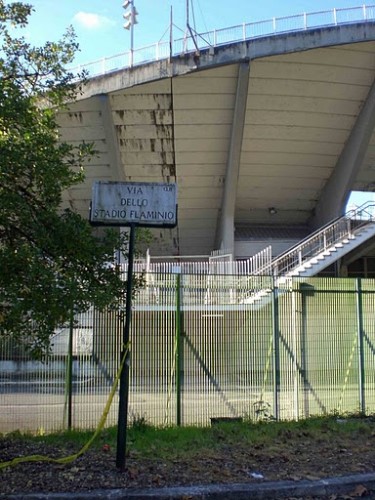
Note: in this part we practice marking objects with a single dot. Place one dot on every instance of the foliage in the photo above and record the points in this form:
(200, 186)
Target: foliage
(50, 259)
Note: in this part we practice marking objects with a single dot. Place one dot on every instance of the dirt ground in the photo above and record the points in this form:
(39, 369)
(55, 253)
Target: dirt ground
(291, 456)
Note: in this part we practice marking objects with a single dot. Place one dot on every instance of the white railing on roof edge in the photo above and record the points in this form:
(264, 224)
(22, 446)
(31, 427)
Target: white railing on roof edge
(214, 38)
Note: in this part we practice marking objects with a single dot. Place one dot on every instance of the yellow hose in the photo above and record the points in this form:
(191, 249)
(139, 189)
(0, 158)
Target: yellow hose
(71, 458)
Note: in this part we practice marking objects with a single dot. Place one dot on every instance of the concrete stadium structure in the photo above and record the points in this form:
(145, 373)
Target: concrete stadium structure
(265, 137)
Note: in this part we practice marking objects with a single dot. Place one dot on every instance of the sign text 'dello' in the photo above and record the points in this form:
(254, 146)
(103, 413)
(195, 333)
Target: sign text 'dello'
(126, 203)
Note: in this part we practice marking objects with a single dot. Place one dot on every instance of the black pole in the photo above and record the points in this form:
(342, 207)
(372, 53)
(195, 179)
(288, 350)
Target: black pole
(124, 378)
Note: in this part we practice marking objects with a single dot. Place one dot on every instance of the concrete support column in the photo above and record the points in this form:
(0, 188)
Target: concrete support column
(225, 228)
(112, 142)
(337, 189)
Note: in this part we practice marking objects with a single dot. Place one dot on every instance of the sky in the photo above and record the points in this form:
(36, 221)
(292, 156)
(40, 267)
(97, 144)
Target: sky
(99, 23)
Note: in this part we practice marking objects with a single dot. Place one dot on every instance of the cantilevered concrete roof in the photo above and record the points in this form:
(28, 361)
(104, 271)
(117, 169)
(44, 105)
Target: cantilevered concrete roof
(284, 121)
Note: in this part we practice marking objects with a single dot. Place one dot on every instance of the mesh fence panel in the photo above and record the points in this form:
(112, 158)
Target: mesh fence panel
(204, 346)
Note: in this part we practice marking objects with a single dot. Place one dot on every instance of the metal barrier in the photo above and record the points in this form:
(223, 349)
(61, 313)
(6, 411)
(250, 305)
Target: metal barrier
(308, 350)
(214, 38)
(342, 228)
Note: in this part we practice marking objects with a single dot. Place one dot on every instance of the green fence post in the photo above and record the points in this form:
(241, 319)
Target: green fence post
(304, 289)
(361, 361)
(69, 374)
(276, 352)
(179, 349)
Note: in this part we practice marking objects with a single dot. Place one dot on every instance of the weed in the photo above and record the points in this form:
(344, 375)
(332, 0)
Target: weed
(262, 411)
(138, 422)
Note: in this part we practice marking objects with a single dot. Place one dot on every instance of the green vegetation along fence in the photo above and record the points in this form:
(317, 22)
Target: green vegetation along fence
(205, 346)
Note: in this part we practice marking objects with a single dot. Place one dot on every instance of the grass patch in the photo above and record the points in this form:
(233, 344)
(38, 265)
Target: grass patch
(175, 442)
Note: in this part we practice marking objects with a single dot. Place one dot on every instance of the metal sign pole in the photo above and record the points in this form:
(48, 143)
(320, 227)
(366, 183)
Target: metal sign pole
(131, 204)
(124, 378)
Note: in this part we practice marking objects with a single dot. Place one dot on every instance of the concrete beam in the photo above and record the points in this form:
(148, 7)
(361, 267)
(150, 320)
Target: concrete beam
(225, 227)
(367, 249)
(231, 53)
(336, 192)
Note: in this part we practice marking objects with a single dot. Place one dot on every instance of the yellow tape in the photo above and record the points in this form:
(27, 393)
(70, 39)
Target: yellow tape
(71, 458)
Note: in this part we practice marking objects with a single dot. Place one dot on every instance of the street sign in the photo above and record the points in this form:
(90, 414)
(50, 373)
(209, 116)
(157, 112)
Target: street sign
(134, 203)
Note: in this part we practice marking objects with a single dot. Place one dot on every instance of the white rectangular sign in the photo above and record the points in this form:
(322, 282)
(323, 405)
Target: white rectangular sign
(127, 203)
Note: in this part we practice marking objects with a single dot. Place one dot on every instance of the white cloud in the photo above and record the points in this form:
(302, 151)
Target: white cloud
(92, 21)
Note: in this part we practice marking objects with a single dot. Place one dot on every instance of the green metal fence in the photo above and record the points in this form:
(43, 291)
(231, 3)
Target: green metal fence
(205, 346)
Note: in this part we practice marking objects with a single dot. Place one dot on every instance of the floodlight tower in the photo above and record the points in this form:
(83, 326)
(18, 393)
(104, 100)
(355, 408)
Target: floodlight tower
(131, 19)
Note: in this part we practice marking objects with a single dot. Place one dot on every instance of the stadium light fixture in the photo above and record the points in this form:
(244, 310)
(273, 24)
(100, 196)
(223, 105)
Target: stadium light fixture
(131, 19)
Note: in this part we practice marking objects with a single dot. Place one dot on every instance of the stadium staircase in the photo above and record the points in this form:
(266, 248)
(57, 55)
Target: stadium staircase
(319, 250)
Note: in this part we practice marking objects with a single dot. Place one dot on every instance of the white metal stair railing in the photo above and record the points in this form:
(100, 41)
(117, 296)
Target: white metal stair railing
(319, 249)
(325, 241)
(227, 277)
(248, 269)
(219, 274)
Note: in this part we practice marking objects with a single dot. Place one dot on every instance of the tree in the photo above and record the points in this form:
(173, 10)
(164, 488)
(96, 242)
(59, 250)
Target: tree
(50, 260)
